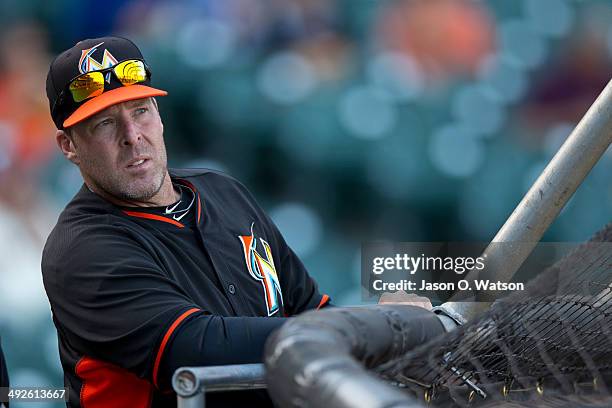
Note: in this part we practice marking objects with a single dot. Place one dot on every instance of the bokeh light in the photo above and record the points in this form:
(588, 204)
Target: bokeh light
(286, 78)
(505, 77)
(300, 225)
(520, 41)
(478, 110)
(367, 112)
(552, 18)
(454, 152)
(205, 43)
(398, 74)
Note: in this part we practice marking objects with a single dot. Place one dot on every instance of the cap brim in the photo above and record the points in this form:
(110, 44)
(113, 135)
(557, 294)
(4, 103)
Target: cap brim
(109, 98)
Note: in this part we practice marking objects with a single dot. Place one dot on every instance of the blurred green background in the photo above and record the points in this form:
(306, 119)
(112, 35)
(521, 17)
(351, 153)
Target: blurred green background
(350, 120)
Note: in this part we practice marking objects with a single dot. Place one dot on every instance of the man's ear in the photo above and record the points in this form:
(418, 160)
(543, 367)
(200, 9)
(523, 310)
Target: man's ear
(66, 144)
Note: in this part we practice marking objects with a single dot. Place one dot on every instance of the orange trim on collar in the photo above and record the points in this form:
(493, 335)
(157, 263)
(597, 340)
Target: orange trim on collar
(191, 186)
(199, 208)
(153, 217)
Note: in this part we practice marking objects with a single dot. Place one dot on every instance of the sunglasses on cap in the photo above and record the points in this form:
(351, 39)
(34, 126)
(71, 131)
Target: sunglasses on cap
(91, 84)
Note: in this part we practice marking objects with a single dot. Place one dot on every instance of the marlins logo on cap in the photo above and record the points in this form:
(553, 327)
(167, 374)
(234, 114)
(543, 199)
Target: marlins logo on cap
(87, 63)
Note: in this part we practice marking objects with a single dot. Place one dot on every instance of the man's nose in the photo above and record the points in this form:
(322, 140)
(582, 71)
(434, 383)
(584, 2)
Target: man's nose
(131, 132)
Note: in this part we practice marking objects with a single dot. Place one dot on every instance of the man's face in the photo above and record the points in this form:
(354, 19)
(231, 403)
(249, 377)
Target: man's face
(120, 151)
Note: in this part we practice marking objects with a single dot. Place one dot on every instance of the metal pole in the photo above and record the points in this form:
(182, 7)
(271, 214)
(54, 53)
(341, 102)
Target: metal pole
(191, 383)
(195, 401)
(189, 389)
(320, 358)
(543, 202)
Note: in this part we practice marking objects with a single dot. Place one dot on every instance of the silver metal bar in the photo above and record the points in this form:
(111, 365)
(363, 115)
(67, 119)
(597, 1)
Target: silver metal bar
(191, 383)
(545, 199)
(187, 380)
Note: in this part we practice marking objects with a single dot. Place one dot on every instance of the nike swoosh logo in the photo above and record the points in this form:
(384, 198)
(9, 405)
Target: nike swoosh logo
(169, 210)
(180, 217)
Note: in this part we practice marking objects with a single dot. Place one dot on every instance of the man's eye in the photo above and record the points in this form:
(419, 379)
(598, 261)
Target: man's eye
(103, 123)
(140, 111)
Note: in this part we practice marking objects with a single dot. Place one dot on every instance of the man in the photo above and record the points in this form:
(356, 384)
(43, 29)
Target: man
(150, 269)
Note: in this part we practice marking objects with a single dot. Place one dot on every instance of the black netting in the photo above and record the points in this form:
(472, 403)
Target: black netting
(550, 346)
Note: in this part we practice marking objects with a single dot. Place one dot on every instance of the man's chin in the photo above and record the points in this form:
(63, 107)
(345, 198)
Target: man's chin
(142, 192)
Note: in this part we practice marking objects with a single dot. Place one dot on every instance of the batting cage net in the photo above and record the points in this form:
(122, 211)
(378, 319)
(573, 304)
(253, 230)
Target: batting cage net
(549, 346)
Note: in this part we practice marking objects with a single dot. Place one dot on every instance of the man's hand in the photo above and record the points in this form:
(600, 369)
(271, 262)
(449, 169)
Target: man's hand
(402, 298)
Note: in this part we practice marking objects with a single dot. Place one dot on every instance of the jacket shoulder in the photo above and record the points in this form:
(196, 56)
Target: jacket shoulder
(208, 176)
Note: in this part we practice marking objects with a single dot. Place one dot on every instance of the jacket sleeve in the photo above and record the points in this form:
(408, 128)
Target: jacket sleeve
(302, 292)
(214, 340)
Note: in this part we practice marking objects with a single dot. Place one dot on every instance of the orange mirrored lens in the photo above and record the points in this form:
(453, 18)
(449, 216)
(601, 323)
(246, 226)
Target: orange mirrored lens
(87, 86)
(130, 72)
(91, 84)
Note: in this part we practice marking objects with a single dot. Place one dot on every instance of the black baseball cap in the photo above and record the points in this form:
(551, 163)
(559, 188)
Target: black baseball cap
(86, 56)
